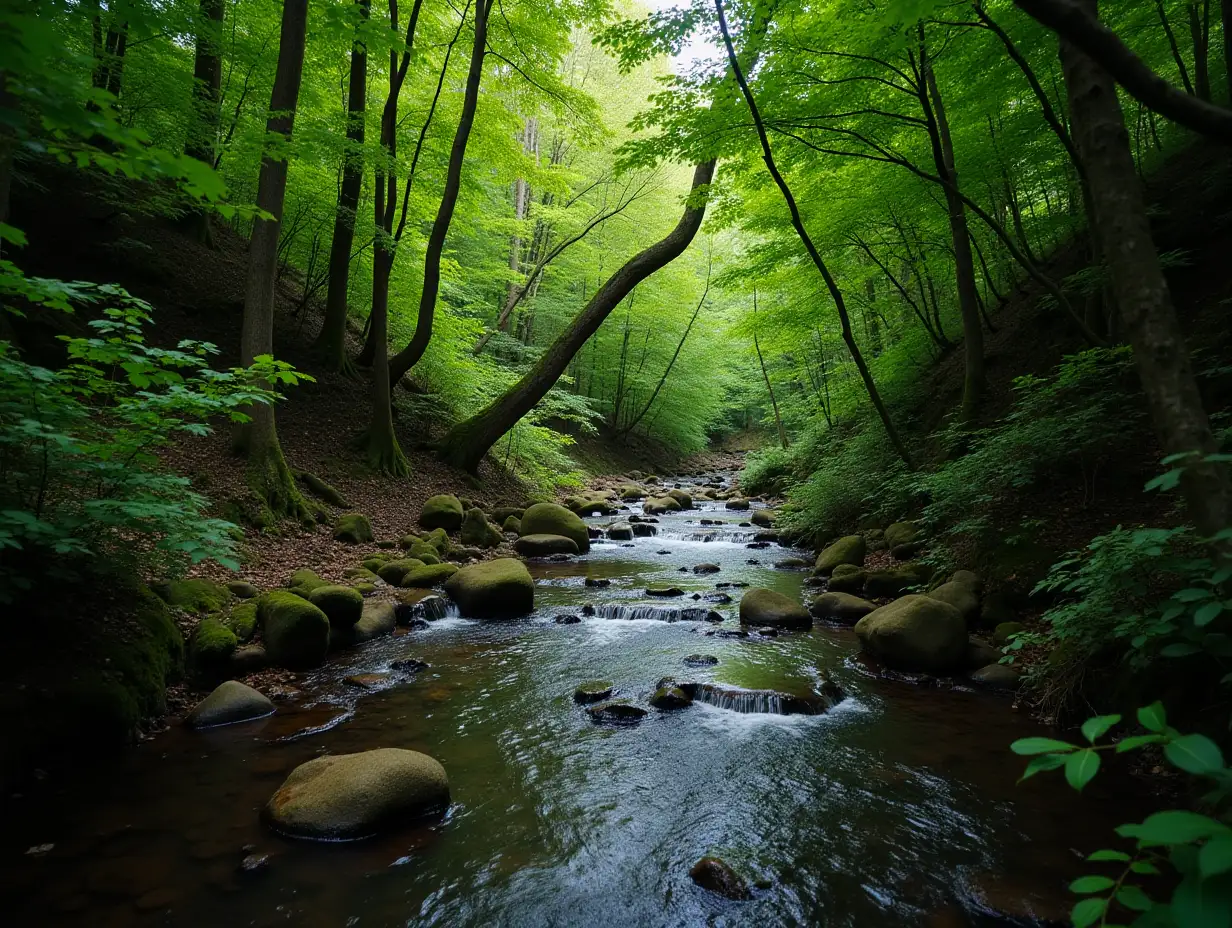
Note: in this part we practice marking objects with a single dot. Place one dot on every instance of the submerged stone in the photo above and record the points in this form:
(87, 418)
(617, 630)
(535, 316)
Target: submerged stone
(593, 691)
(716, 876)
(230, 702)
(616, 713)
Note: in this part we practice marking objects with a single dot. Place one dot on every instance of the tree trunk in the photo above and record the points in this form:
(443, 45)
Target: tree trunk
(384, 453)
(836, 294)
(1145, 305)
(207, 83)
(409, 356)
(521, 209)
(1225, 16)
(331, 342)
(964, 264)
(467, 443)
(1200, 34)
(778, 419)
(268, 474)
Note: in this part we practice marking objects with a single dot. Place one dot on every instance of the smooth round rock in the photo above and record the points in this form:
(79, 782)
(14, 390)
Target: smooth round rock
(230, 702)
(348, 796)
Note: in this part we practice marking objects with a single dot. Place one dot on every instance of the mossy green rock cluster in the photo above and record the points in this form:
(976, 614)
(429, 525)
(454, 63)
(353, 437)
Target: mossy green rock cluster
(392, 572)
(242, 620)
(660, 506)
(551, 519)
(296, 632)
(443, 511)
(353, 528)
(850, 549)
(513, 525)
(843, 608)
(497, 589)
(211, 647)
(545, 545)
(895, 581)
(429, 575)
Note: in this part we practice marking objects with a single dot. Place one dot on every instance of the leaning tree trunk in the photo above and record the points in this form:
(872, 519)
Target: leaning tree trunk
(409, 356)
(467, 443)
(268, 474)
(960, 237)
(1145, 304)
(331, 343)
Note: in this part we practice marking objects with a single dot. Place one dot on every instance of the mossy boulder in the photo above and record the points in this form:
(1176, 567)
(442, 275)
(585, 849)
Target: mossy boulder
(439, 539)
(997, 677)
(683, 498)
(669, 698)
(443, 512)
(737, 504)
(900, 533)
(322, 490)
(551, 519)
(764, 518)
(428, 576)
(230, 702)
(242, 620)
(616, 713)
(632, 493)
(850, 549)
(478, 531)
(963, 596)
(348, 796)
(660, 506)
(197, 595)
(765, 607)
(353, 528)
(840, 607)
(544, 545)
(593, 691)
(296, 632)
(211, 647)
(242, 589)
(393, 572)
(917, 634)
(342, 605)
(512, 525)
(895, 581)
(378, 618)
(496, 589)
(502, 514)
(847, 578)
(305, 579)
(360, 575)
(425, 552)
(620, 531)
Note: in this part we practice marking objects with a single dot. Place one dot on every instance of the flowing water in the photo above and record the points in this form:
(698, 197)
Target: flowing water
(897, 807)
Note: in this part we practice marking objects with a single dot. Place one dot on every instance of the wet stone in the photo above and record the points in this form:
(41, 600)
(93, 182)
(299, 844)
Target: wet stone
(254, 864)
(701, 660)
(593, 691)
(367, 681)
(568, 619)
(408, 665)
(616, 713)
(598, 581)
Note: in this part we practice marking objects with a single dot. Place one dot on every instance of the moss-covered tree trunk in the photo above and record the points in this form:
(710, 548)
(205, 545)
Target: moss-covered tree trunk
(409, 356)
(1142, 296)
(268, 474)
(384, 454)
(331, 342)
(467, 443)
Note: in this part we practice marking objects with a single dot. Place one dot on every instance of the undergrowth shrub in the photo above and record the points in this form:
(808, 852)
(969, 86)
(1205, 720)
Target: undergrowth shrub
(81, 484)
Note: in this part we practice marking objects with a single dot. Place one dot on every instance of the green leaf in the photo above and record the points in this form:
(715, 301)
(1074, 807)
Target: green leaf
(1180, 649)
(1042, 763)
(1027, 746)
(1207, 614)
(1175, 826)
(1119, 856)
(1153, 717)
(1091, 884)
(1080, 767)
(1216, 856)
(1199, 903)
(1137, 741)
(1133, 898)
(1196, 754)
(1088, 912)
(1094, 727)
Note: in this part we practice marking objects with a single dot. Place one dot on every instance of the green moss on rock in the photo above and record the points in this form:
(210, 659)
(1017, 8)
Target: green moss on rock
(550, 519)
(197, 595)
(443, 511)
(353, 528)
(478, 531)
(496, 589)
(850, 549)
(212, 645)
(296, 632)
(342, 605)
(428, 575)
(393, 572)
(243, 620)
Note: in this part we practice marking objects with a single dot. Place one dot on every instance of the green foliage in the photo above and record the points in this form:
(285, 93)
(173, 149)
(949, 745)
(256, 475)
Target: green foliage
(79, 469)
(1191, 852)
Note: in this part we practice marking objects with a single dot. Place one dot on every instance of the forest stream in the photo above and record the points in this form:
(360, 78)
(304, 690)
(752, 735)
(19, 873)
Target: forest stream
(898, 806)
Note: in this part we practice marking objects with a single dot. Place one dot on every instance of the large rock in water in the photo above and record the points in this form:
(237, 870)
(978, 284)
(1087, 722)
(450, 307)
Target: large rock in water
(847, 550)
(443, 511)
(378, 619)
(545, 545)
(348, 796)
(717, 876)
(550, 519)
(499, 589)
(915, 633)
(230, 702)
(296, 632)
(841, 607)
(766, 607)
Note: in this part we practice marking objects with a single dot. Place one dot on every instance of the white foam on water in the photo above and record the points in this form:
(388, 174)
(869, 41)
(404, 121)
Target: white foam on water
(452, 621)
(603, 631)
(741, 726)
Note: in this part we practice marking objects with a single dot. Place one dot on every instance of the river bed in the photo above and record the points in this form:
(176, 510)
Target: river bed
(897, 807)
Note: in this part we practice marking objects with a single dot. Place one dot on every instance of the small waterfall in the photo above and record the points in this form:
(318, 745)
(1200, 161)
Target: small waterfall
(763, 702)
(711, 535)
(656, 613)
